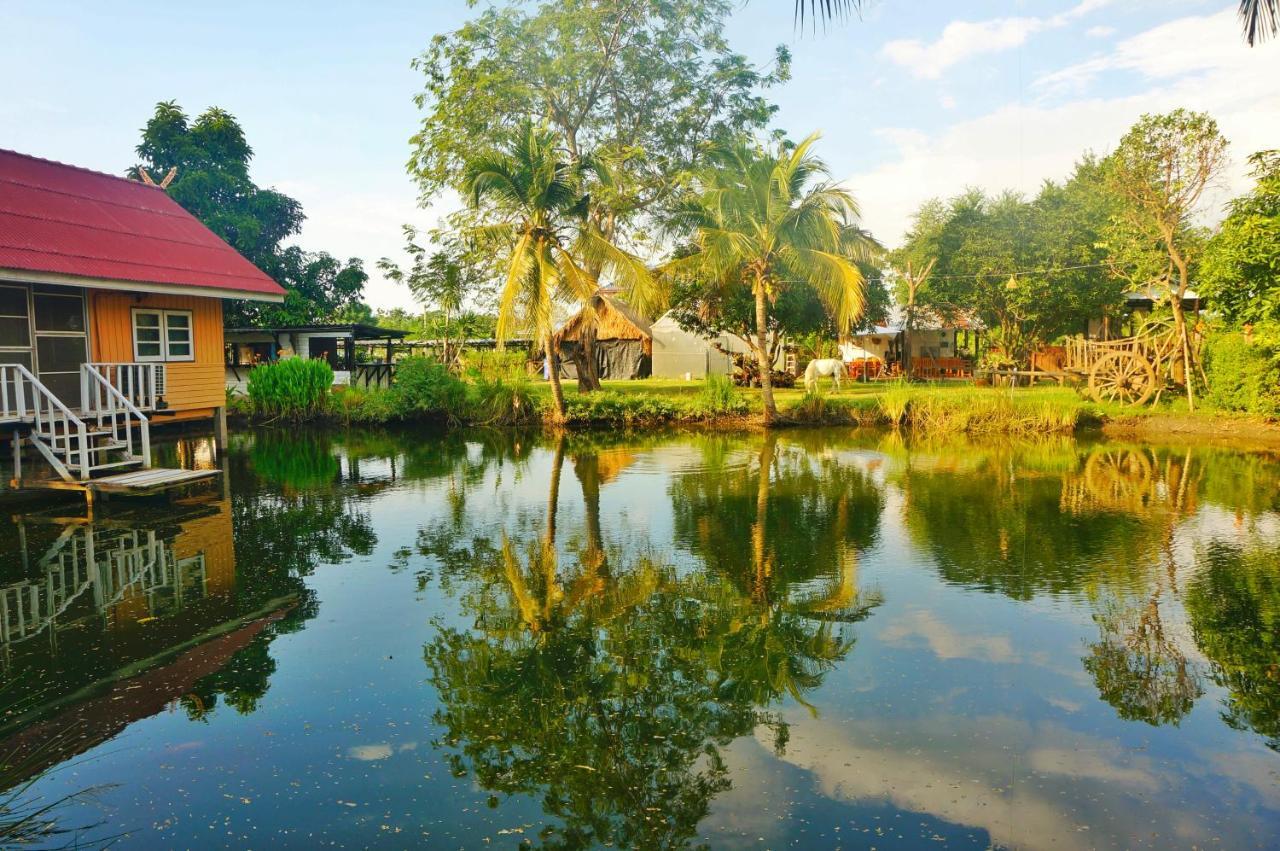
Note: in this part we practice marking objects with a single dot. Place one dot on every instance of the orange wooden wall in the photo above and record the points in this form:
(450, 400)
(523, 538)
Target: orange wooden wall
(192, 386)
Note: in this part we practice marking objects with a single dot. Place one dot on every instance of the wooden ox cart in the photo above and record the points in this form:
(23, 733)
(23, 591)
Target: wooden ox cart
(1130, 370)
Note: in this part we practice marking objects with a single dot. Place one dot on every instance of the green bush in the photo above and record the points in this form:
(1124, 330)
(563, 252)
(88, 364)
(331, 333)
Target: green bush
(612, 407)
(424, 386)
(293, 389)
(718, 397)
(374, 405)
(1244, 372)
(501, 402)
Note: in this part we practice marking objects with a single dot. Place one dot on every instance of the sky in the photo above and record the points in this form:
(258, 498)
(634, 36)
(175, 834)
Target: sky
(916, 99)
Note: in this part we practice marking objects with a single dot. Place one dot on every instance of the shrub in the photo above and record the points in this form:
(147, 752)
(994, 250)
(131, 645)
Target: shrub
(372, 405)
(612, 407)
(501, 402)
(292, 389)
(1244, 372)
(718, 397)
(426, 386)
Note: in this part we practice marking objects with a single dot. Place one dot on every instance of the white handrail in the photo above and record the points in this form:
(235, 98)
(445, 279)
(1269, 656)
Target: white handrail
(140, 383)
(52, 420)
(113, 408)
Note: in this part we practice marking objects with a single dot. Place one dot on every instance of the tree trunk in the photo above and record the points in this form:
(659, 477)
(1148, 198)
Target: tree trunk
(1188, 367)
(762, 354)
(759, 549)
(557, 392)
(585, 358)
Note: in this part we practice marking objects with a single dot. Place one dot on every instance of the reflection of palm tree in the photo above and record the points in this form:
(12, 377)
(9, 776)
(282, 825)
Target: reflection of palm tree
(609, 693)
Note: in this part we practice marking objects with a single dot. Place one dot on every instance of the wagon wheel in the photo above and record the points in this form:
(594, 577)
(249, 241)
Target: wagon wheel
(1122, 376)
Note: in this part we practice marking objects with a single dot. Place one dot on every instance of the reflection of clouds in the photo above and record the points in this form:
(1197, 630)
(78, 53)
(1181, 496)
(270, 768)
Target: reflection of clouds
(750, 813)
(373, 753)
(945, 641)
(1088, 765)
(1041, 786)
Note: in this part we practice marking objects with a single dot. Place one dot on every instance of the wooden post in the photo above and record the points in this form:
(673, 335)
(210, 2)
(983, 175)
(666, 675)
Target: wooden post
(220, 428)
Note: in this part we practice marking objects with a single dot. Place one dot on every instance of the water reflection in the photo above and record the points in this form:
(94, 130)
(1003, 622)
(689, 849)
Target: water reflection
(667, 640)
(606, 682)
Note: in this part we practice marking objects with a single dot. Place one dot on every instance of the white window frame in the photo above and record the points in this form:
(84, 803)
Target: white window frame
(163, 315)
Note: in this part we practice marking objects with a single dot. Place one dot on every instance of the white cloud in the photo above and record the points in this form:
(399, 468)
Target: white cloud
(1100, 32)
(1018, 146)
(961, 40)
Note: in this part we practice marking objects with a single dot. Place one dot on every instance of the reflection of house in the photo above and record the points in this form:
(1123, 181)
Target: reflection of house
(624, 341)
(336, 344)
(103, 622)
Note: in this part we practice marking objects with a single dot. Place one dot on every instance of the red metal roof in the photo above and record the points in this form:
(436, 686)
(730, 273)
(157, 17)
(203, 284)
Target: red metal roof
(65, 220)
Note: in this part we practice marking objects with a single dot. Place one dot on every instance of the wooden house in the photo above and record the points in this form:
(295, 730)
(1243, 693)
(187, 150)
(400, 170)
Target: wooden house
(110, 315)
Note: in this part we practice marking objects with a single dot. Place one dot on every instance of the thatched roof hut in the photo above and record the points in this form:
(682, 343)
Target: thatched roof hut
(624, 338)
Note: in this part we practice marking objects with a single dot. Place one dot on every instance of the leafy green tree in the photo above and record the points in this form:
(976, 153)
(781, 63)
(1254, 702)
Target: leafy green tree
(768, 221)
(318, 288)
(530, 192)
(209, 158)
(1158, 174)
(1031, 269)
(641, 86)
(1240, 272)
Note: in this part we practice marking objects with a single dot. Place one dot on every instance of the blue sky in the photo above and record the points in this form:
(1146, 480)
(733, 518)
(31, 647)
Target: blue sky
(916, 99)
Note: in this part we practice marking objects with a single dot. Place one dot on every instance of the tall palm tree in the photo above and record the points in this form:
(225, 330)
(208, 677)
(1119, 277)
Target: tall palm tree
(531, 190)
(771, 219)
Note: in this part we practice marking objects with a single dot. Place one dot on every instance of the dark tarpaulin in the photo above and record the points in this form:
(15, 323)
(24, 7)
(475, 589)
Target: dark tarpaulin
(614, 359)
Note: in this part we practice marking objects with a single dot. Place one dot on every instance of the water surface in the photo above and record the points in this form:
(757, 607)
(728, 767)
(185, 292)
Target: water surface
(814, 639)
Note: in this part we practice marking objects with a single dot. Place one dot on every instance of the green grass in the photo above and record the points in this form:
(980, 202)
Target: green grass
(924, 408)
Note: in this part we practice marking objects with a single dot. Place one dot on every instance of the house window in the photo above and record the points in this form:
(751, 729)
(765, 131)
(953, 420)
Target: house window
(163, 335)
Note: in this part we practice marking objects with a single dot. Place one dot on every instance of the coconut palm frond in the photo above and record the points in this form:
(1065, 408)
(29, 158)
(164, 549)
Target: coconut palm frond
(826, 10)
(1260, 19)
(640, 287)
(519, 266)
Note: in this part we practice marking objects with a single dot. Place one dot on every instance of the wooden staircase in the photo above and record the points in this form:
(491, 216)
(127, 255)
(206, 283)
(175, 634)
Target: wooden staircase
(91, 448)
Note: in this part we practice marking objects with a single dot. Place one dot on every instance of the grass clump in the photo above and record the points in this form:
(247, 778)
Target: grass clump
(718, 398)
(294, 389)
(614, 408)
(502, 402)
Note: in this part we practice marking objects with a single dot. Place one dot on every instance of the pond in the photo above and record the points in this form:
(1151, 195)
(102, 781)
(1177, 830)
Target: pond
(813, 639)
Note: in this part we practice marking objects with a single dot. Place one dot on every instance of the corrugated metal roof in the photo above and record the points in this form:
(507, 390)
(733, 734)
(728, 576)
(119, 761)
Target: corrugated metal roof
(65, 220)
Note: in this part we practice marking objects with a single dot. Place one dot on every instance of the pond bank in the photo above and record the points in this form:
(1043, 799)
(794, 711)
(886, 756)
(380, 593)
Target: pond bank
(928, 409)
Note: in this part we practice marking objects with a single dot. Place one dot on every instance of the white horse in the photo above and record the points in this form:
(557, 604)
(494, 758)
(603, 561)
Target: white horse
(821, 369)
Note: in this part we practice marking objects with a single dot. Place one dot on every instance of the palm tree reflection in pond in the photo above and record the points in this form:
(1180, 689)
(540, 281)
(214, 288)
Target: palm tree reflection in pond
(609, 683)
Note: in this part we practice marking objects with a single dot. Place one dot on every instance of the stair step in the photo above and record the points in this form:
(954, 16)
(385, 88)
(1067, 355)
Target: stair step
(101, 447)
(114, 465)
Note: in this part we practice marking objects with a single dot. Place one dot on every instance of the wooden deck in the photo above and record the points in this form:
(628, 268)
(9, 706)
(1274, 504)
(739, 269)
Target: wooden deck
(132, 483)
